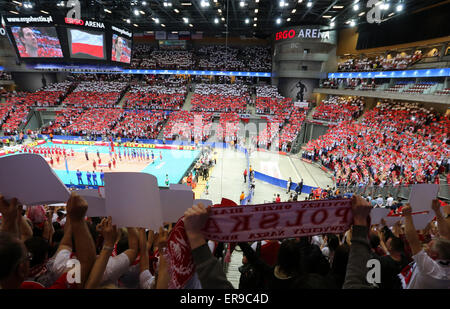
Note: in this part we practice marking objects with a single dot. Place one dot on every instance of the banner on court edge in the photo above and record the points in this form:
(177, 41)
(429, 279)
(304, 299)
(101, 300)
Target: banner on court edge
(278, 220)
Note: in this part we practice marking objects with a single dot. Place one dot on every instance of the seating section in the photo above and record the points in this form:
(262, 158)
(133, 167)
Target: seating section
(419, 88)
(140, 124)
(96, 94)
(155, 97)
(220, 98)
(228, 127)
(337, 109)
(188, 125)
(207, 57)
(387, 147)
(381, 62)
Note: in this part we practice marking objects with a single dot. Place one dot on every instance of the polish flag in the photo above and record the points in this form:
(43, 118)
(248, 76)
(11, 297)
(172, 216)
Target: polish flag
(87, 43)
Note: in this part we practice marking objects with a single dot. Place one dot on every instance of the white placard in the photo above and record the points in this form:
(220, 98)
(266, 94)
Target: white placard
(29, 178)
(174, 203)
(422, 195)
(132, 200)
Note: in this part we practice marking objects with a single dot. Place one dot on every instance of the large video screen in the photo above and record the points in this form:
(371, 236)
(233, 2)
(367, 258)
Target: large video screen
(121, 49)
(37, 42)
(86, 44)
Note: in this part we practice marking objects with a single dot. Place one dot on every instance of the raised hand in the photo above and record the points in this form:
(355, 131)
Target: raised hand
(108, 231)
(195, 218)
(406, 210)
(161, 239)
(361, 210)
(76, 208)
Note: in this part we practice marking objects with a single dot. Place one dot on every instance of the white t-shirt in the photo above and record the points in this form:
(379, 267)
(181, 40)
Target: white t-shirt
(116, 267)
(389, 201)
(147, 280)
(428, 273)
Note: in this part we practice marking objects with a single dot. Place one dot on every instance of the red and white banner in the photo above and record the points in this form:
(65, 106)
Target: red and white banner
(278, 220)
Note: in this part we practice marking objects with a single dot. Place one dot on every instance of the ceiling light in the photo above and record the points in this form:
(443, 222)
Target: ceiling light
(254, 25)
(242, 4)
(186, 3)
(144, 3)
(219, 10)
(289, 19)
(176, 11)
(17, 2)
(157, 20)
(326, 16)
(356, 7)
(332, 24)
(135, 25)
(257, 1)
(107, 11)
(293, 11)
(352, 23)
(385, 6)
(256, 10)
(247, 20)
(136, 12)
(162, 25)
(45, 12)
(128, 21)
(186, 20)
(278, 20)
(191, 25)
(216, 20)
(282, 3)
(142, 12)
(14, 12)
(361, 14)
(336, 7)
(309, 4)
(399, 7)
(223, 18)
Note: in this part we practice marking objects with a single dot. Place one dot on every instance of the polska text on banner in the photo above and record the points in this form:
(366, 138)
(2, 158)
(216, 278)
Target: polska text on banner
(278, 220)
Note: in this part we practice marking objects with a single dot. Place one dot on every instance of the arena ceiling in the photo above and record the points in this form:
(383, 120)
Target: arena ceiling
(258, 18)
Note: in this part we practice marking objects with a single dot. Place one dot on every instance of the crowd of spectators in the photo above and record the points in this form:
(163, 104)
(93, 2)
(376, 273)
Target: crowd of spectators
(227, 130)
(155, 97)
(37, 243)
(337, 109)
(395, 143)
(96, 94)
(5, 75)
(139, 124)
(83, 122)
(399, 62)
(208, 57)
(220, 98)
(194, 126)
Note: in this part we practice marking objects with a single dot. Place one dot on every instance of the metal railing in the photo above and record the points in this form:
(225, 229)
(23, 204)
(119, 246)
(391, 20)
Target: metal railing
(397, 192)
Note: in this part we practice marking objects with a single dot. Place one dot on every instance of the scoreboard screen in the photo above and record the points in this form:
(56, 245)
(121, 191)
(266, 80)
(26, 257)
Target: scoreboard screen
(37, 42)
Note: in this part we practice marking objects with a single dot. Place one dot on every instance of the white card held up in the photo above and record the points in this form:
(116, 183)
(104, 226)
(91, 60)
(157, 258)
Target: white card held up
(377, 214)
(421, 220)
(179, 186)
(422, 195)
(205, 203)
(390, 221)
(29, 178)
(132, 200)
(174, 203)
(96, 203)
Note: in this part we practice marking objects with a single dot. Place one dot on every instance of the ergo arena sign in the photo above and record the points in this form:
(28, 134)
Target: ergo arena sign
(80, 22)
(302, 33)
